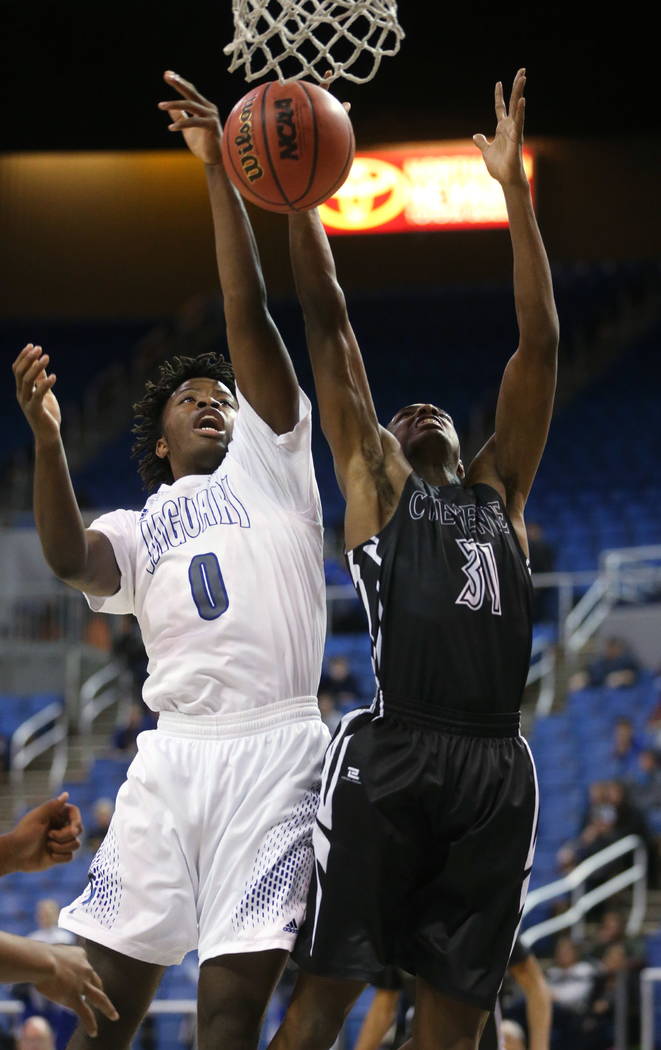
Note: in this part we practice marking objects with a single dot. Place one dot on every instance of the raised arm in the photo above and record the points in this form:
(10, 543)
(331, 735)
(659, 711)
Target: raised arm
(525, 402)
(261, 363)
(82, 558)
(368, 463)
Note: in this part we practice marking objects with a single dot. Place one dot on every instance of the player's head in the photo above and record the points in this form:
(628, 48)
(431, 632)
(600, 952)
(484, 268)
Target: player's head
(185, 420)
(428, 438)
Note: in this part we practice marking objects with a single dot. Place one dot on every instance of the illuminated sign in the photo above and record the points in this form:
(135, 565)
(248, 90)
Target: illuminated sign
(430, 187)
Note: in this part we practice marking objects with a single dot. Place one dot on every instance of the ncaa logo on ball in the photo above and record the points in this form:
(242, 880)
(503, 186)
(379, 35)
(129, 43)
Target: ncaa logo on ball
(286, 129)
(245, 145)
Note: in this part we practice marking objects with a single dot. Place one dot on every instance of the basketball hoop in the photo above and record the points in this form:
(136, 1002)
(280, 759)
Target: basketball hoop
(306, 38)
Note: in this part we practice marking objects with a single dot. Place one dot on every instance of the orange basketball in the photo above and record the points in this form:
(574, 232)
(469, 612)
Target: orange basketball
(288, 146)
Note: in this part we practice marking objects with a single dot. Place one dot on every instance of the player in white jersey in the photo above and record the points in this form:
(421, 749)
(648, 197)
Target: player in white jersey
(210, 845)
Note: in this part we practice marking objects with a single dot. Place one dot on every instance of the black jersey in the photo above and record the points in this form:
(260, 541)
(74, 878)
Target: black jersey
(448, 597)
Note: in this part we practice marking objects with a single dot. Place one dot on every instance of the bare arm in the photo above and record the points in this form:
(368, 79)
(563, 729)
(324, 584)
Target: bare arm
(368, 463)
(262, 365)
(525, 400)
(380, 1016)
(61, 973)
(82, 558)
(539, 1006)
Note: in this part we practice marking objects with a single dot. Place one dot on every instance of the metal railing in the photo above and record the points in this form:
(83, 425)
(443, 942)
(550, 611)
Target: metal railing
(626, 574)
(582, 900)
(107, 686)
(44, 730)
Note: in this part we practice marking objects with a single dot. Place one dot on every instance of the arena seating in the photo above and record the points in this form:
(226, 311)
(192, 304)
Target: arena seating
(571, 750)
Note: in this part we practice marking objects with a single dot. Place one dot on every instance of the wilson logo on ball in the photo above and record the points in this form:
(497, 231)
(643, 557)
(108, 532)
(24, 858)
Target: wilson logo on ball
(244, 143)
(286, 129)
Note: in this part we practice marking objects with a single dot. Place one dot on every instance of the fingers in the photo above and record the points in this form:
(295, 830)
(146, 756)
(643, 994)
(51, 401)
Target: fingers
(200, 109)
(61, 849)
(98, 998)
(481, 142)
(20, 362)
(517, 91)
(86, 1014)
(26, 367)
(75, 819)
(193, 122)
(31, 378)
(519, 117)
(184, 87)
(499, 102)
(59, 858)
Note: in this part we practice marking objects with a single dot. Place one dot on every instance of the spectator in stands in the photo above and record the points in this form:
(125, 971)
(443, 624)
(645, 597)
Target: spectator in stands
(102, 814)
(631, 820)
(598, 1024)
(340, 681)
(125, 736)
(612, 931)
(571, 979)
(541, 555)
(47, 912)
(645, 783)
(330, 713)
(626, 749)
(597, 831)
(616, 668)
(514, 1038)
(35, 1034)
(654, 725)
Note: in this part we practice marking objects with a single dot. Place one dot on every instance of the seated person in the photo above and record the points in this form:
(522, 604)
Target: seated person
(615, 668)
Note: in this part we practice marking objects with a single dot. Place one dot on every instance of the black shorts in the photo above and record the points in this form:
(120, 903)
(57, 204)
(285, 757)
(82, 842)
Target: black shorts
(423, 845)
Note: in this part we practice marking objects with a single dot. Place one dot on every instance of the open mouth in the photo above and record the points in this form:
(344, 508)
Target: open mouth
(209, 425)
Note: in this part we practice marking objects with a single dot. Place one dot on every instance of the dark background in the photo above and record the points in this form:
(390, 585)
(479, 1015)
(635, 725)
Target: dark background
(78, 76)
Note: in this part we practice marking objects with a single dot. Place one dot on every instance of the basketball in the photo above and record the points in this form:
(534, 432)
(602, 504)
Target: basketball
(288, 146)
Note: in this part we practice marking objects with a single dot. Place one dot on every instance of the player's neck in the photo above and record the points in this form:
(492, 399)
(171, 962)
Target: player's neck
(187, 469)
(435, 473)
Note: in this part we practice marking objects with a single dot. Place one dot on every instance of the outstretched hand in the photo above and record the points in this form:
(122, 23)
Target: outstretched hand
(34, 392)
(504, 155)
(195, 117)
(77, 986)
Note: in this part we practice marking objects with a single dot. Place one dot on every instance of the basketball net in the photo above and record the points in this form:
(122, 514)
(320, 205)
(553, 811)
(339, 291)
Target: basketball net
(305, 38)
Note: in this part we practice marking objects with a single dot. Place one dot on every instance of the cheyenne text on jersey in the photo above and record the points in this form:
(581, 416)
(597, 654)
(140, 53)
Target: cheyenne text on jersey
(183, 518)
(487, 518)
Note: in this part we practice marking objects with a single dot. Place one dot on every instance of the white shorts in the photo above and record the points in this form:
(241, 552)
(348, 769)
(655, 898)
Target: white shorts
(210, 844)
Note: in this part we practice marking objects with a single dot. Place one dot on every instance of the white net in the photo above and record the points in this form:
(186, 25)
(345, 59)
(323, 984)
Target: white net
(305, 38)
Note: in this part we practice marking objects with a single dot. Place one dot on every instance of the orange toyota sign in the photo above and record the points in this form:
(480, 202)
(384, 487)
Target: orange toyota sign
(438, 186)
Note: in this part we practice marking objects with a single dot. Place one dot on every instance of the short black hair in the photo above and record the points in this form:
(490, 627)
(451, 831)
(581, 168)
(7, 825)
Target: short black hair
(148, 412)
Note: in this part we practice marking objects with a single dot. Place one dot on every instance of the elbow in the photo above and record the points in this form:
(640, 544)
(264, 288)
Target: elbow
(243, 303)
(73, 576)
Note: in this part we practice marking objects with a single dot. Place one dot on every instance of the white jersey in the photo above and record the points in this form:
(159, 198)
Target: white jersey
(224, 573)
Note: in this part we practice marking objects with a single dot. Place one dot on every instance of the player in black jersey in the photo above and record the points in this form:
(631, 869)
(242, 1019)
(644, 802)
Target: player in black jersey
(427, 819)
